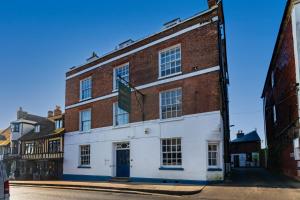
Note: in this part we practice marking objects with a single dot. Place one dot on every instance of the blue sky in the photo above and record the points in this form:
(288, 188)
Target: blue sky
(41, 40)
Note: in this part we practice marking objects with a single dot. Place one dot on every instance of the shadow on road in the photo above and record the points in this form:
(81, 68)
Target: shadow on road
(258, 177)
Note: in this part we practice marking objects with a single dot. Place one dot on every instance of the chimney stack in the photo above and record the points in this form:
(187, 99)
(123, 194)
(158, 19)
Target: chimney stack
(50, 113)
(240, 134)
(211, 3)
(57, 111)
(21, 114)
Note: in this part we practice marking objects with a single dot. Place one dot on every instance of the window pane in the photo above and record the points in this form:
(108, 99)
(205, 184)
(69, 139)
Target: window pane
(121, 116)
(171, 152)
(212, 155)
(85, 117)
(171, 103)
(123, 72)
(86, 89)
(170, 61)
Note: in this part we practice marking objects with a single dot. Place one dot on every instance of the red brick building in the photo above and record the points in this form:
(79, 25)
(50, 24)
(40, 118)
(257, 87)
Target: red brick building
(281, 96)
(182, 73)
(245, 150)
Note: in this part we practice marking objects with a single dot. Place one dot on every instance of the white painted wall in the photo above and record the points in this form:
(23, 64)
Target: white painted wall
(195, 130)
(24, 129)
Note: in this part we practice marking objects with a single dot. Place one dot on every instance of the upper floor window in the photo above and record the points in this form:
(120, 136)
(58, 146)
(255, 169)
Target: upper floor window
(171, 152)
(121, 117)
(58, 124)
(171, 103)
(15, 128)
(54, 146)
(85, 120)
(170, 61)
(273, 79)
(123, 72)
(213, 155)
(86, 89)
(274, 114)
(37, 128)
(29, 148)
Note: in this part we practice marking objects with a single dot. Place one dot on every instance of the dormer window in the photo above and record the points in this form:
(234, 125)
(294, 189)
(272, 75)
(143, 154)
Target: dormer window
(37, 128)
(15, 128)
(58, 124)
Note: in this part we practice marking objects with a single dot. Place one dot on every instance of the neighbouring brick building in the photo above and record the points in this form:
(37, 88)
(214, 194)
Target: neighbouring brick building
(183, 135)
(245, 150)
(281, 96)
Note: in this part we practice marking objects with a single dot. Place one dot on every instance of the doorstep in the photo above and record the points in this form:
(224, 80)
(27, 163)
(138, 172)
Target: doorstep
(173, 189)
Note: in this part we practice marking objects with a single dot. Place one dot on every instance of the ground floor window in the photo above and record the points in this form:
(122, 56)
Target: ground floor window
(213, 155)
(171, 152)
(85, 151)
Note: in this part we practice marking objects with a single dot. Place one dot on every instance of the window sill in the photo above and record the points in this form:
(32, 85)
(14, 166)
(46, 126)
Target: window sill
(214, 170)
(121, 126)
(114, 91)
(84, 167)
(168, 76)
(171, 119)
(82, 100)
(85, 132)
(171, 168)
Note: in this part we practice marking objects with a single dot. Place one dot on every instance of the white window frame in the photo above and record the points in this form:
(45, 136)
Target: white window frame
(58, 124)
(159, 61)
(274, 114)
(160, 104)
(80, 156)
(91, 88)
(115, 88)
(80, 122)
(273, 79)
(115, 107)
(37, 128)
(218, 163)
(161, 153)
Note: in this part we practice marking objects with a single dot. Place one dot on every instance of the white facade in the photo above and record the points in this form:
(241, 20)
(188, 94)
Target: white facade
(196, 132)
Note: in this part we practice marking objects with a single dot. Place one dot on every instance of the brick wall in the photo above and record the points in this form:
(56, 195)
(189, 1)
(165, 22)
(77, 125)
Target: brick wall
(199, 48)
(200, 94)
(244, 147)
(280, 134)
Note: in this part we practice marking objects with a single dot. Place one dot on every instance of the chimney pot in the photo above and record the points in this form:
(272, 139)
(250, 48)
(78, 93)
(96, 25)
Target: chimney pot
(21, 114)
(57, 111)
(211, 3)
(240, 134)
(50, 113)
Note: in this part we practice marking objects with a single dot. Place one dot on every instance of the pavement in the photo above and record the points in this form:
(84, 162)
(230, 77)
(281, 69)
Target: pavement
(253, 184)
(244, 184)
(116, 187)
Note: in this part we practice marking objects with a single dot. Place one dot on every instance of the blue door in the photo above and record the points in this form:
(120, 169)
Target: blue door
(123, 163)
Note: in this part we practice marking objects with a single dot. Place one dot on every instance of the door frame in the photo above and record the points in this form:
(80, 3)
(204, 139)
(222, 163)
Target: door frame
(115, 149)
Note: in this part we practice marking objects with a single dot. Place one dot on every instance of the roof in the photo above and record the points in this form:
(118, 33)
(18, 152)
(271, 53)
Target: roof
(24, 121)
(46, 127)
(283, 24)
(6, 134)
(71, 72)
(249, 137)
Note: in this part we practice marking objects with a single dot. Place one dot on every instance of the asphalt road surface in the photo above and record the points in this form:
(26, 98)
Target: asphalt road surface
(245, 184)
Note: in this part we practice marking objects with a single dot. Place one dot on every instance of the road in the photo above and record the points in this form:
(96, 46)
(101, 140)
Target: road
(245, 184)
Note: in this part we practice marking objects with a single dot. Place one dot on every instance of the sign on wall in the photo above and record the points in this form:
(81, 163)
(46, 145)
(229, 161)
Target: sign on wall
(124, 98)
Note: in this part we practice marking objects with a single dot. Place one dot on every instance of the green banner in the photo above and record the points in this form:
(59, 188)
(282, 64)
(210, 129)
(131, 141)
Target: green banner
(124, 98)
